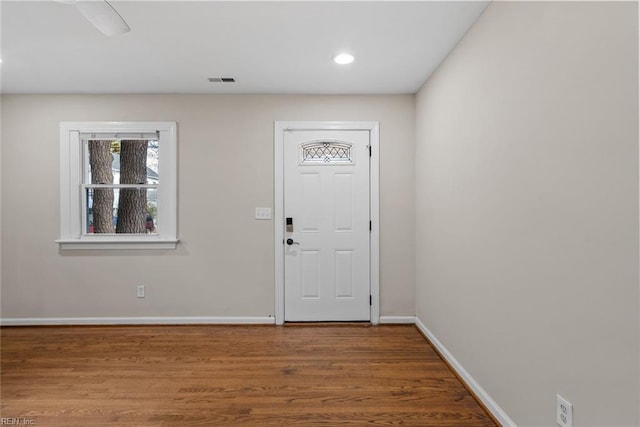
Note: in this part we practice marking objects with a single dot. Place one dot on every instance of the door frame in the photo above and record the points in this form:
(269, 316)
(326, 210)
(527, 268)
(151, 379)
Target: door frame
(280, 127)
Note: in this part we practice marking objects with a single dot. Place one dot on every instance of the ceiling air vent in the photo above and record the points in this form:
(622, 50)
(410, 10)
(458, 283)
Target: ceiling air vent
(222, 79)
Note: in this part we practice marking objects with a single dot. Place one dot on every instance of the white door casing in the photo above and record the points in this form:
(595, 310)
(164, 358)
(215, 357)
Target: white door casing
(327, 183)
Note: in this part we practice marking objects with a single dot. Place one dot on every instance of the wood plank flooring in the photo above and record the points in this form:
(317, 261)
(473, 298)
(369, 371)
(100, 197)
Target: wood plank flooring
(331, 375)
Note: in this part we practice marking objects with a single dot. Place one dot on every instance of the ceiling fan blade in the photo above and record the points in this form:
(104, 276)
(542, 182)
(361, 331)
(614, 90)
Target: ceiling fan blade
(103, 16)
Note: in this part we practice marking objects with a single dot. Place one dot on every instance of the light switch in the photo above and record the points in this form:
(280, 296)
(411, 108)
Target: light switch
(263, 213)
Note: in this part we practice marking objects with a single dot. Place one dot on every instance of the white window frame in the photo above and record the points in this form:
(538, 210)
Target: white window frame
(71, 187)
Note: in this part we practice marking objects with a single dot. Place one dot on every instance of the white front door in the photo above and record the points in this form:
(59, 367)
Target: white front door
(327, 225)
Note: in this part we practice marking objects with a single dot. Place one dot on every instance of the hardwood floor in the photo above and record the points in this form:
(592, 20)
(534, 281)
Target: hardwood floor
(330, 375)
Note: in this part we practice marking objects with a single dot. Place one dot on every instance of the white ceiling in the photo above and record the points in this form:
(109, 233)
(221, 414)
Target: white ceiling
(267, 46)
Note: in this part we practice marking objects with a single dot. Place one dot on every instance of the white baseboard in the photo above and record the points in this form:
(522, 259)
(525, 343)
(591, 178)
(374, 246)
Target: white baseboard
(488, 402)
(137, 321)
(390, 320)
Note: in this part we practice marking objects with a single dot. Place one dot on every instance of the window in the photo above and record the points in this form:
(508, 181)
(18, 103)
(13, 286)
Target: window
(323, 152)
(118, 185)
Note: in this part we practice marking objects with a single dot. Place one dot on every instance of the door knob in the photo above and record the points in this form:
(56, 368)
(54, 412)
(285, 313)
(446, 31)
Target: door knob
(291, 242)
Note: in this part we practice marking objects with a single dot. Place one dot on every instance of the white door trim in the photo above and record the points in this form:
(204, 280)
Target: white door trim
(280, 127)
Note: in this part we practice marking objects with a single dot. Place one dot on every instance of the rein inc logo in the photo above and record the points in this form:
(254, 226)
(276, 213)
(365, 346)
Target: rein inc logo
(17, 421)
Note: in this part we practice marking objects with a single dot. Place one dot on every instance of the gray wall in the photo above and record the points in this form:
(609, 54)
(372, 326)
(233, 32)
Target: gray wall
(224, 265)
(527, 208)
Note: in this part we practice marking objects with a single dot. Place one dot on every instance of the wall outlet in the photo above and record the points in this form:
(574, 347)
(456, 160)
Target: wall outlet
(263, 213)
(140, 291)
(564, 412)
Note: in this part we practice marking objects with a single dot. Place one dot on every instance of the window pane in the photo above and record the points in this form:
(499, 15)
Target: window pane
(121, 211)
(136, 161)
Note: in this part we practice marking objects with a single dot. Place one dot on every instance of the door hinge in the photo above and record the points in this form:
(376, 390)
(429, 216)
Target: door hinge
(370, 300)
(369, 151)
(370, 226)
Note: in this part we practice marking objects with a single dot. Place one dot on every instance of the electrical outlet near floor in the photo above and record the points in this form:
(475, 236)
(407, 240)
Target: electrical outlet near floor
(140, 291)
(564, 412)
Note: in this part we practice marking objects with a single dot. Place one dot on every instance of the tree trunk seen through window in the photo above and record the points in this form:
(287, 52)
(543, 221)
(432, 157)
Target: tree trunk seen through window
(100, 160)
(132, 205)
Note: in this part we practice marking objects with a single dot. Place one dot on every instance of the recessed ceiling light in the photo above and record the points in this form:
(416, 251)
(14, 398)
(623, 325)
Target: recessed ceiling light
(343, 59)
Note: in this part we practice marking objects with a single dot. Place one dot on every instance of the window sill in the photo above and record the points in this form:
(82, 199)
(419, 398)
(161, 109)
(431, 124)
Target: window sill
(116, 244)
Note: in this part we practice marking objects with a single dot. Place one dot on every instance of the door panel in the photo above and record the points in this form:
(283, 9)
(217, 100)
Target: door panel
(310, 269)
(344, 274)
(311, 204)
(326, 193)
(343, 201)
